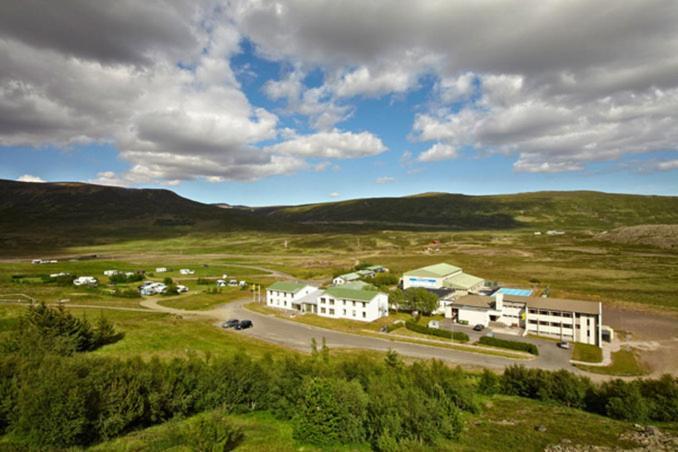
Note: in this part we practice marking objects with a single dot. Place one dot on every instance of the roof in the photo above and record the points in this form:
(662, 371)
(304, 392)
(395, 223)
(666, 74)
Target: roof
(352, 294)
(558, 304)
(513, 291)
(349, 276)
(553, 304)
(375, 268)
(434, 271)
(359, 285)
(462, 281)
(286, 286)
(476, 301)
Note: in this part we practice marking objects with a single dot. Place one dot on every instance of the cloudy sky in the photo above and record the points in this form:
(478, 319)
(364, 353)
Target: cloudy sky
(259, 102)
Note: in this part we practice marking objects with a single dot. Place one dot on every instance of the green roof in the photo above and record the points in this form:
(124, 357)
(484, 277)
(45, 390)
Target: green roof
(375, 268)
(286, 286)
(351, 294)
(350, 276)
(434, 271)
(359, 285)
(462, 281)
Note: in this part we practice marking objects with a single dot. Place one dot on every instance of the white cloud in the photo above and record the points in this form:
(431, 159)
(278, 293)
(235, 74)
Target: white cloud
(30, 178)
(569, 86)
(333, 144)
(334, 194)
(438, 152)
(385, 180)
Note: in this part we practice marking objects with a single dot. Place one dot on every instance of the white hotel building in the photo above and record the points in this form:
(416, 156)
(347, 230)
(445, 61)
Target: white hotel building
(360, 304)
(573, 320)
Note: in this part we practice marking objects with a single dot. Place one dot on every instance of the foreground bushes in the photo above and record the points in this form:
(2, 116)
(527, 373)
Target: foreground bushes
(636, 400)
(512, 345)
(456, 335)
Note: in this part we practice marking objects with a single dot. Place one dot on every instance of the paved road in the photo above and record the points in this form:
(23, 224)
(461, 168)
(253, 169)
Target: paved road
(298, 336)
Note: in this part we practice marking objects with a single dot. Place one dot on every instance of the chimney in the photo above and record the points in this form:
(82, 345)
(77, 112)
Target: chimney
(499, 302)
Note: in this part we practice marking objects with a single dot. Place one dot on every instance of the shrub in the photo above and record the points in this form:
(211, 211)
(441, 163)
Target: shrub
(331, 411)
(512, 345)
(394, 326)
(126, 293)
(456, 335)
(489, 383)
(122, 278)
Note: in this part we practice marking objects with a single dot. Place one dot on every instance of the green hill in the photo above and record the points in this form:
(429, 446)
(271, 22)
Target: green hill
(576, 209)
(53, 215)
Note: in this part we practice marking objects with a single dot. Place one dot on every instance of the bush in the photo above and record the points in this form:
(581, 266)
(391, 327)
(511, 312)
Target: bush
(122, 278)
(394, 326)
(126, 293)
(203, 281)
(512, 345)
(331, 411)
(456, 335)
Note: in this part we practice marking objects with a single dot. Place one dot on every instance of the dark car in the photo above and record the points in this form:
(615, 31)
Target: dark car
(478, 327)
(244, 324)
(232, 323)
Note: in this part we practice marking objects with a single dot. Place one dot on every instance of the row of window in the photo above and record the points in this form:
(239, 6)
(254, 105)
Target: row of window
(330, 301)
(553, 313)
(331, 311)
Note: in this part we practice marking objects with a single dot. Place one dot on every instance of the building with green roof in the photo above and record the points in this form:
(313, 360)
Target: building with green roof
(442, 276)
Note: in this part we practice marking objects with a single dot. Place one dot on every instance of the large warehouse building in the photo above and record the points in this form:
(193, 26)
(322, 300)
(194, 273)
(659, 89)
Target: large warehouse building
(574, 320)
(442, 276)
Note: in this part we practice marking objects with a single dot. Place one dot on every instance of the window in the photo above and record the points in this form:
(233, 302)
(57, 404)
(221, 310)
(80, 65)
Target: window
(364, 304)
(364, 315)
(541, 322)
(555, 324)
(353, 313)
(331, 311)
(323, 310)
(331, 301)
(285, 303)
(354, 304)
(322, 300)
(533, 322)
(555, 314)
(532, 311)
(344, 312)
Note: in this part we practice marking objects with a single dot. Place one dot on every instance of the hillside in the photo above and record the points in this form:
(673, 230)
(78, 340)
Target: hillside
(577, 209)
(54, 215)
(49, 215)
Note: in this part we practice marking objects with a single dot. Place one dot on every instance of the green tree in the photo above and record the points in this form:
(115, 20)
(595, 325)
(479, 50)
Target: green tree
(420, 299)
(331, 411)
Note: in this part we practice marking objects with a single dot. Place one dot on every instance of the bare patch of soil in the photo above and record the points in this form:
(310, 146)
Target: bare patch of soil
(659, 235)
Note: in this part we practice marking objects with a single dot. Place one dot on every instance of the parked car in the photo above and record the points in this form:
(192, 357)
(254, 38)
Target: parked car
(564, 345)
(232, 323)
(478, 327)
(244, 324)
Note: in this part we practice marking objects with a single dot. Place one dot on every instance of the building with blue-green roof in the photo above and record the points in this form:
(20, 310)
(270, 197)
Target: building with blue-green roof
(442, 276)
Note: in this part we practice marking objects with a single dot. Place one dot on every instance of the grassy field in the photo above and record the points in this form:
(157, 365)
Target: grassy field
(505, 423)
(205, 301)
(587, 353)
(625, 363)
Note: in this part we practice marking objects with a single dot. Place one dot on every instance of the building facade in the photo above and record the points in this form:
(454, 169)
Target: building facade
(442, 276)
(572, 320)
(287, 295)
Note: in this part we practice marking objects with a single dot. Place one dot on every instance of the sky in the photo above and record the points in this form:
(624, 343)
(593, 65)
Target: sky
(265, 103)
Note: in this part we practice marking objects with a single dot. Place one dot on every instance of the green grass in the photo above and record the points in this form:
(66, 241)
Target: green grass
(587, 353)
(509, 423)
(205, 301)
(262, 432)
(625, 363)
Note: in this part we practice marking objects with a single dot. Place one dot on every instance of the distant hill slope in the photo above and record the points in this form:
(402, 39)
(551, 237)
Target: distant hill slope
(576, 209)
(53, 215)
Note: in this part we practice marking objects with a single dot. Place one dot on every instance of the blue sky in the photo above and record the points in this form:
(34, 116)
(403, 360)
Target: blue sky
(304, 113)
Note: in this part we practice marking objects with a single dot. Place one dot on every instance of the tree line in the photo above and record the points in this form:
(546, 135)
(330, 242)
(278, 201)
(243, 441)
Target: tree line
(54, 396)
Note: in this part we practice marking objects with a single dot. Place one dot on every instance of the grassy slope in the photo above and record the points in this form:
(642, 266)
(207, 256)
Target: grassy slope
(624, 363)
(506, 423)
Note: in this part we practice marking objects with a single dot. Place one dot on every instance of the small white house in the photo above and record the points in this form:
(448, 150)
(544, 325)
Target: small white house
(161, 270)
(346, 278)
(85, 281)
(110, 273)
(233, 283)
(221, 283)
(186, 271)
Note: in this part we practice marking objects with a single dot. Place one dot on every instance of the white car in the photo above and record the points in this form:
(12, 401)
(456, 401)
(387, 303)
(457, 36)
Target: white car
(186, 271)
(181, 289)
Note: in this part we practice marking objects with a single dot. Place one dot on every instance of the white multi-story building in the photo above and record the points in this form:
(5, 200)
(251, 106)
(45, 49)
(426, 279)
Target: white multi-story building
(288, 295)
(356, 303)
(575, 320)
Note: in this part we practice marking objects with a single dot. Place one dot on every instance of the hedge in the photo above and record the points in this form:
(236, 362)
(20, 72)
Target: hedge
(513, 345)
(393, 326)
(456, 335)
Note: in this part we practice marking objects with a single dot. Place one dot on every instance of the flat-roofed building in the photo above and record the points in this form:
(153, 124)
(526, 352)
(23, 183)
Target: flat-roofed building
(574, 320)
